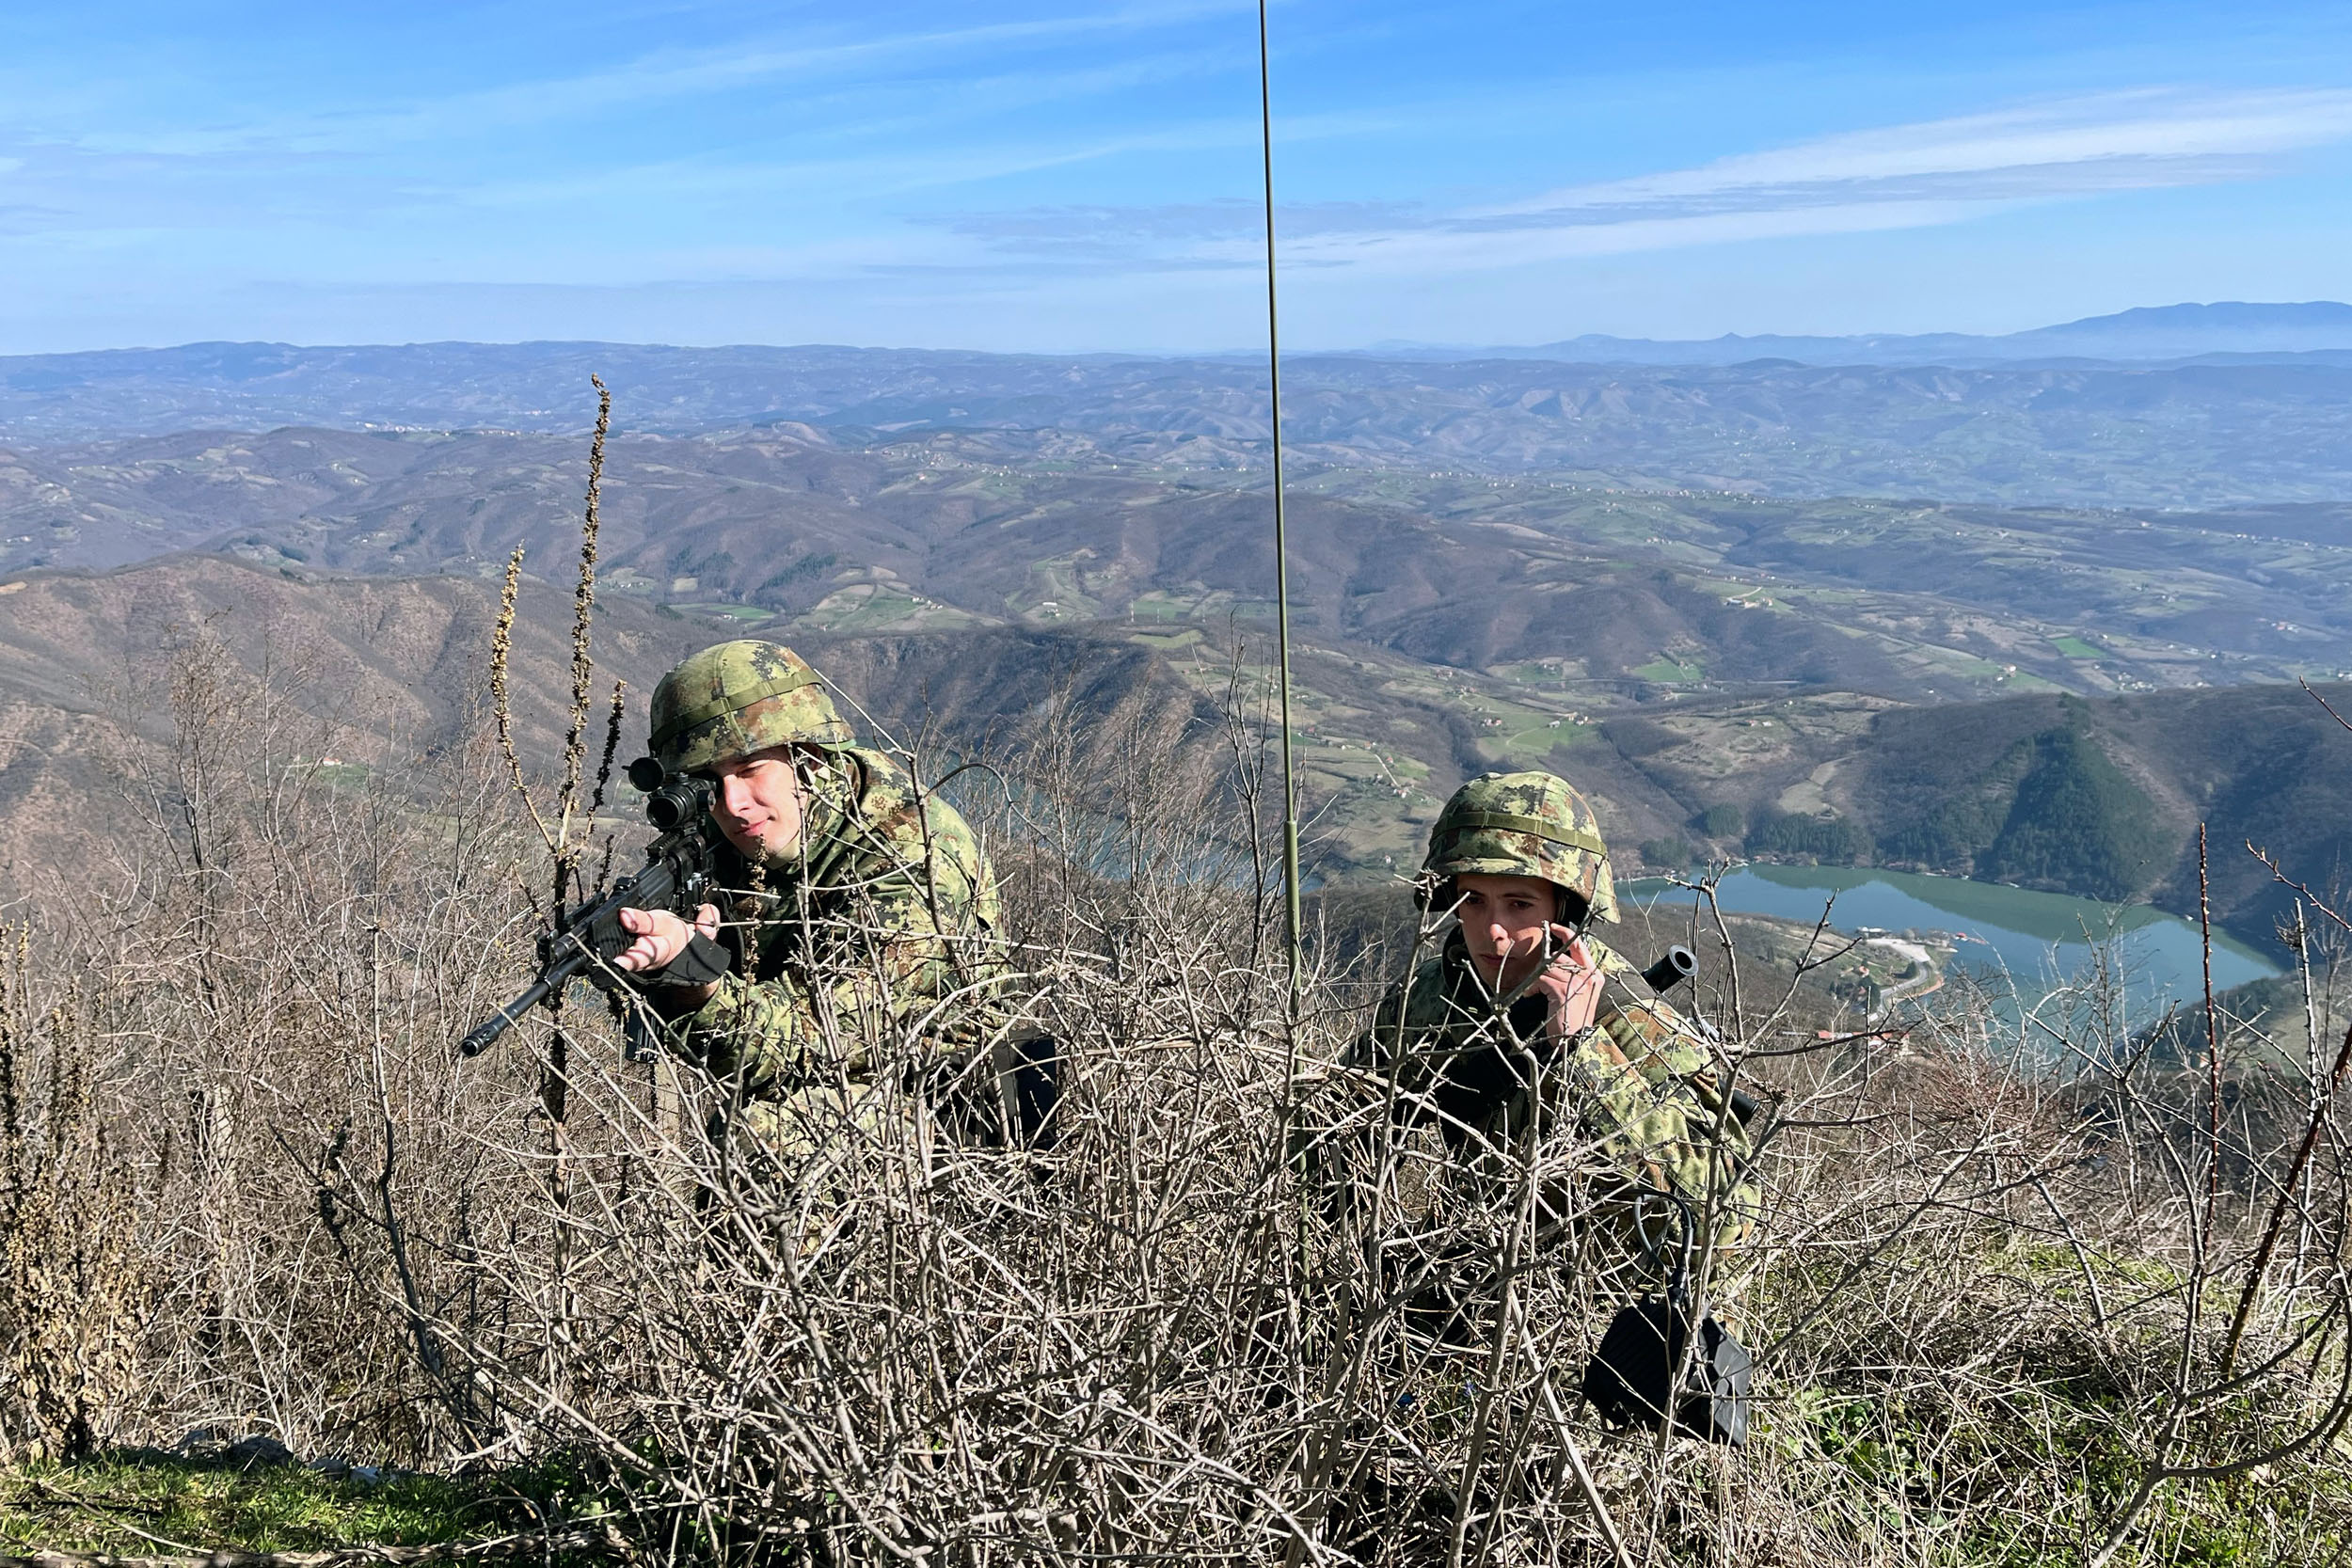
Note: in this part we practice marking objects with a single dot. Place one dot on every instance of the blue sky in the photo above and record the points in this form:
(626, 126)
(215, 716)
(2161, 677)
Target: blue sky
(1070, 175)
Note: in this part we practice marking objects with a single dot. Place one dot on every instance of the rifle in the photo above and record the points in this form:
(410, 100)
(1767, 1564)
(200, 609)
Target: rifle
(678, 876)
(1673, 966)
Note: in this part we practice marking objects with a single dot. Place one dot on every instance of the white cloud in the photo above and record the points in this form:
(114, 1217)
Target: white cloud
(2059, 147)
(1895, 177)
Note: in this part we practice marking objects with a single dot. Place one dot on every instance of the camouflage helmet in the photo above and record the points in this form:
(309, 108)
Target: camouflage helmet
(1520, 825)
(738, 698)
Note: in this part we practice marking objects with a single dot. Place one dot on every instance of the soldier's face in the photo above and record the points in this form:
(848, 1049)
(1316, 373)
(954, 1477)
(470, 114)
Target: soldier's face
(1504, 921)
(757, 804)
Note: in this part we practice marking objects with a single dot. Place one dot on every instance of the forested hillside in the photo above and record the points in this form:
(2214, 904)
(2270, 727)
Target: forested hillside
(1870, 682)
(98, 673)
(2094, 796)
(2098, 796)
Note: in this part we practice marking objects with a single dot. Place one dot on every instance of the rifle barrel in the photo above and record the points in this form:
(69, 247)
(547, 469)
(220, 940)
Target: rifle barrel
(556, 976)
(1677, 964)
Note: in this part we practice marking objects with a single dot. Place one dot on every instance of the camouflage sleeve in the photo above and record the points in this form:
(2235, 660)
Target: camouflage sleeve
(1655, 1099)
(887, 967)
(1376, 1046)
(1343, 1127)
(1402, 1030)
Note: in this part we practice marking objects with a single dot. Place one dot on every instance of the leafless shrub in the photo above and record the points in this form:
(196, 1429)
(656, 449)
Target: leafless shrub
(274, 970)
(74, 1285)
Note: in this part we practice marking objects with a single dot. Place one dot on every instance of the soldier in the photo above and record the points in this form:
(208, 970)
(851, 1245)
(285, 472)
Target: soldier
(1525, 1040)
(866, 909)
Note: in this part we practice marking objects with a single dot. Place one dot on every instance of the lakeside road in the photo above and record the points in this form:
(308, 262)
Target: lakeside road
(1927, 982)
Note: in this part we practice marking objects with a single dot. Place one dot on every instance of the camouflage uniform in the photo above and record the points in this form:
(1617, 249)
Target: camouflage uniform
(876, 927)
(1626, 1122)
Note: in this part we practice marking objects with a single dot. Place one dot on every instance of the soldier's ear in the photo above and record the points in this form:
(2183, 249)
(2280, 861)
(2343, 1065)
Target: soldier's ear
(1575, 910)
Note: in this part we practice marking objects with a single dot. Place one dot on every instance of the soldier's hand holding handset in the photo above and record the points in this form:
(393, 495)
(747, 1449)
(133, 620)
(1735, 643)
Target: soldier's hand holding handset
(1572, 981)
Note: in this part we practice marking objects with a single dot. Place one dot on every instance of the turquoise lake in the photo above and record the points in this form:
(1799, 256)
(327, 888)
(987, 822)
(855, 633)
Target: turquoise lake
(2040, 938)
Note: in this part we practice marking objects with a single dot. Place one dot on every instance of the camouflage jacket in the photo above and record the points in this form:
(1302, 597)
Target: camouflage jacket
(1640, 1085)
(880, 927)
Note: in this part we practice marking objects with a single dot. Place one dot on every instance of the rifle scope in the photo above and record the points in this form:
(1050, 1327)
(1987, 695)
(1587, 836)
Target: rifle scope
(671, 800)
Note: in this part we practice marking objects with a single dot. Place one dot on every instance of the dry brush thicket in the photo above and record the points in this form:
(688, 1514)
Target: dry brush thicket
(250, 1183)
(2024, 1287)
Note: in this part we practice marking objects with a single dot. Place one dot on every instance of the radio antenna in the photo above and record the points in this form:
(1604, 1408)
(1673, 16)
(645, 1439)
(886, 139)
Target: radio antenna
(1281, 550)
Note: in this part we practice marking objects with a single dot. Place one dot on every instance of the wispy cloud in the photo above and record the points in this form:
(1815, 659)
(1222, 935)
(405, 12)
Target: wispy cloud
(894, 171)
(676, 75)
(858, 113)
(1903, 176)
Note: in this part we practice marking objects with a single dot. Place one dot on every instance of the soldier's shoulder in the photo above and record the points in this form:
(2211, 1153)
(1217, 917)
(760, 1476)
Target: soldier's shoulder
(878, 774)
(1635, 1000)
(888, 802)
(1609, 960)
(884, 785)
(1652, 1036)
(903, 822)
(924, 814)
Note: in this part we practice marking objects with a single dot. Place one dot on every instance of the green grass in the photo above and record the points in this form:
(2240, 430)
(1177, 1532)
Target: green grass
(1672, 670)
(879, 609)
(1532, 742)
(1159, 605)
(103, 1505)
(2028, 1458)
(2074, 648)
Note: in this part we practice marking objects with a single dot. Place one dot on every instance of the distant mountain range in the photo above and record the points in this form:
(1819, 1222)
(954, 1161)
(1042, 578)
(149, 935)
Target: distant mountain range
(2149, 334)
(2189, 406)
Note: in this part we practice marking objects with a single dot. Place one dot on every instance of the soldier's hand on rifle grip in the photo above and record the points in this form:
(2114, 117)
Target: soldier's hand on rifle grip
(661, 937)
(1573, 983)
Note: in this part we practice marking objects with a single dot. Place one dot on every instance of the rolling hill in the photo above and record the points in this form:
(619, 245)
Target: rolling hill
(1600, 596)
(2148, 333)
(2095, 796)
(2209, 434)
(1654, 579)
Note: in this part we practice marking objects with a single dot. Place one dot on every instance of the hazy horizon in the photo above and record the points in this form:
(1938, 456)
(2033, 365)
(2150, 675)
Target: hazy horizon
(1242, 351)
